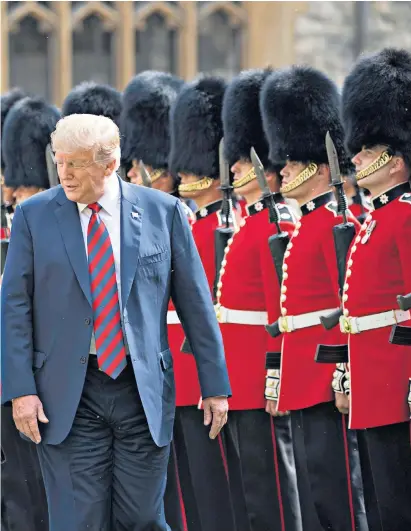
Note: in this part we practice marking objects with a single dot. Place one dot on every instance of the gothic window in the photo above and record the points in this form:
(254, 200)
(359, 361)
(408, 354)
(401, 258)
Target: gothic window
(220, 38)
(30, 45)
(93, 41)
(156, 37)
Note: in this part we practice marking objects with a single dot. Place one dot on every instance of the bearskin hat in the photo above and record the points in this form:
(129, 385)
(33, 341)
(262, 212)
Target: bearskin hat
(7, 102)
(92, 98)
(27, 131)
(242, 122)
(197, 127)
(145, 117)
(299, 105)
(376, 102)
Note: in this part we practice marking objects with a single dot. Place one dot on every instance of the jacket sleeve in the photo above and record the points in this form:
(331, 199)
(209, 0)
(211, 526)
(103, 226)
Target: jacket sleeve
(192, 300)
(16, 313)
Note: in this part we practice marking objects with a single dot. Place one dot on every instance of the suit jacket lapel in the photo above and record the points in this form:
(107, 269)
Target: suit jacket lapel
(131, 226)
(68, 219)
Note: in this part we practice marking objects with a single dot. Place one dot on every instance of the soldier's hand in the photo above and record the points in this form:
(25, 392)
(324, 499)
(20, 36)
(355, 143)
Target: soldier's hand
(271, 409)
(27, 410)
(342, 403)
(215, 413)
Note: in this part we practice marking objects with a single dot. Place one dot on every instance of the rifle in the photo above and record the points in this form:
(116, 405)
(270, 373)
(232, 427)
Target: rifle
(357, 200)
(401, 335)
(343, 233)
(51, 167)
(277, 242)
(145, 176)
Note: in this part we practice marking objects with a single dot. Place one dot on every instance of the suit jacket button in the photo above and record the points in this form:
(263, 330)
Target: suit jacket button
(83, 359)
(87, 321)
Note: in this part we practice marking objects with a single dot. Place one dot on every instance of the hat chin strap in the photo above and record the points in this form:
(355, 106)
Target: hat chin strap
(248, 177)
(156, 174)
(379, 163)
(306, 174)
(197, 186)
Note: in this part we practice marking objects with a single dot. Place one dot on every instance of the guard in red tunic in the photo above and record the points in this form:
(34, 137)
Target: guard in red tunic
(300, 104)
(377, 119)
(145, 134)
(25, 135)
(261, 464)
(196, 130)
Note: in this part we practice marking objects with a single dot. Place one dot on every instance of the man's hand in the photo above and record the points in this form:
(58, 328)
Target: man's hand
(215, 410)
(342, 403)
(271, 409)
(26, 411)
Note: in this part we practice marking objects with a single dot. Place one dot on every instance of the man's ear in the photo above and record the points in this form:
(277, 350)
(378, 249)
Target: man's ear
(398, 165)
(324, 171)
(111, 166)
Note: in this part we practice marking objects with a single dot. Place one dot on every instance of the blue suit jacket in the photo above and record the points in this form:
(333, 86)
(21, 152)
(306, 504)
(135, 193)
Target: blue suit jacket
(47, 318)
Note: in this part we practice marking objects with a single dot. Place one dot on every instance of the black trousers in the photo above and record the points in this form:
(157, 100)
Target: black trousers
(328, 470)
(386, 467)
(173, 501)
(23, 499)
(262, 472)
(202, 473)
(108, 475)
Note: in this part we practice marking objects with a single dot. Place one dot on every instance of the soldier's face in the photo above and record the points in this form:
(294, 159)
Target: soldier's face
(240, 169)
(188, 179)
(290, 172)
(6, 192)
(82, 178)
(24, 192)
(364, 158)
(134, 173)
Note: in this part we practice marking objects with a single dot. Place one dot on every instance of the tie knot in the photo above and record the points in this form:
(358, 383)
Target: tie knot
(95, 207)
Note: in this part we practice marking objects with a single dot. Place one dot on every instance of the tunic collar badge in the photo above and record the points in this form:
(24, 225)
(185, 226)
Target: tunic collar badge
(388, 196)
(208, 209)
(315, 203)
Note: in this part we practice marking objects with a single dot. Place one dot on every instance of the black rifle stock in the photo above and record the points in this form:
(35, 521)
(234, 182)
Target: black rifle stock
(401, 335)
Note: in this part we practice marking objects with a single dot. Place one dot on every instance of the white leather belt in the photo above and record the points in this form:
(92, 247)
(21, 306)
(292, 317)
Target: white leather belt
(245, 317)
(172, 317)
(289, 323)
(356, 325)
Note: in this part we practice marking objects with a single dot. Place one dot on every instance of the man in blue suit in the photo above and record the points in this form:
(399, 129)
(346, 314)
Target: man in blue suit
(89, 273)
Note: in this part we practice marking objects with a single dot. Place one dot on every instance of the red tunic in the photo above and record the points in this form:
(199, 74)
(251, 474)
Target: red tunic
(377, 271)
(248, 281)
(310, 284)
(188, 391)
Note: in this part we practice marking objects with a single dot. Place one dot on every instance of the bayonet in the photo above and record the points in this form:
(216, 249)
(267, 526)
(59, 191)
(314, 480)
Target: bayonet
(267, 196)
(335, 177)
(145, 176)
(226, 188)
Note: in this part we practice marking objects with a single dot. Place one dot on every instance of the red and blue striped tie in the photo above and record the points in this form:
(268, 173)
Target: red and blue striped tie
(111, 353)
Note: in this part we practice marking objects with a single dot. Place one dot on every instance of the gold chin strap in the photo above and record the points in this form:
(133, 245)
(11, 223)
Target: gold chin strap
(306, 174)
(156, 174)
(248, 177)
(379, 163)
(196, 186)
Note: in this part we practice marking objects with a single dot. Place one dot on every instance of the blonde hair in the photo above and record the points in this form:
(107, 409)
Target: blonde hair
(88, 132)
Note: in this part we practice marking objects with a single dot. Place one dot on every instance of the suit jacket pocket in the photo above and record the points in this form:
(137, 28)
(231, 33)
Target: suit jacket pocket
(39, 359)
(166, 360)
(153, 258)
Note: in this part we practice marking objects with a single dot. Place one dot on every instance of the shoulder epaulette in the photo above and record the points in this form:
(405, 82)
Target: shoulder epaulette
(406, 198)
(332, 207)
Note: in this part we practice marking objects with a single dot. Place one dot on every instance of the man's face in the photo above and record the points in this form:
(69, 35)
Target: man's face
(165, 182)
(6, 192)
(240, 169)
(366, 157)
(188, 179)
(22, 193)
(290, 171)
(81, 177)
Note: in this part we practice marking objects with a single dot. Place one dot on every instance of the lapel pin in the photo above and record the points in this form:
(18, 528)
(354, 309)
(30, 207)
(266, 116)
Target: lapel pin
(135, 215)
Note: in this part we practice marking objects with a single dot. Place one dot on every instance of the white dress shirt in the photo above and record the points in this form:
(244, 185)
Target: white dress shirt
(109, 214)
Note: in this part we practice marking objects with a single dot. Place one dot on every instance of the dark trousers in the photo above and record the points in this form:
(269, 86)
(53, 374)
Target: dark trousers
(262, 473)
(202, 474)
(328, 470)
(23, 499)
(108, 475)
(173, 500)
(386, 467)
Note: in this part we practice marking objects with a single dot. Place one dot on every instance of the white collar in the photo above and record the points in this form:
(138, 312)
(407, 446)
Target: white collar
(111, 197)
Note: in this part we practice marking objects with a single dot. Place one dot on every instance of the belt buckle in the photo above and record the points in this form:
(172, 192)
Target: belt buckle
(345, 325)
(221, 314)
(284, 324)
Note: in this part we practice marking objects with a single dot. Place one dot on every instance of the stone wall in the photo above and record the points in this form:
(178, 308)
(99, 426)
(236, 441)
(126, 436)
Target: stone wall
(330, 35)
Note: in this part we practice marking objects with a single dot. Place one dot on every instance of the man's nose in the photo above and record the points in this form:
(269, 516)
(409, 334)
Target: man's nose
(356, 160)
(284, 172)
